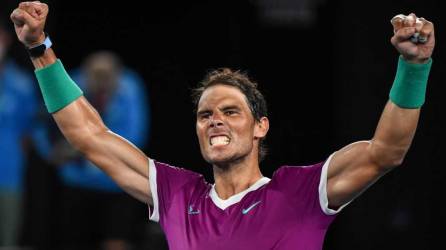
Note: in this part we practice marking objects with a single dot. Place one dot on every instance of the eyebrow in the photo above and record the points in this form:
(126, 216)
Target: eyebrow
(225, 108)
(229, 107)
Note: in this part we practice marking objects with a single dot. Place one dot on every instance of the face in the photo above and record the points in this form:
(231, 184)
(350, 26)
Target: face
(102, 74)
(226, 129)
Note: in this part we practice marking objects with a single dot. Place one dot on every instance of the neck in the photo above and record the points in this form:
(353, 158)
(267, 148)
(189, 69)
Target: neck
(236, 177)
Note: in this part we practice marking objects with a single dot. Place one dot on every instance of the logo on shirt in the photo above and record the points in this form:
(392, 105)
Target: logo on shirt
(246, 210)
(192, 211)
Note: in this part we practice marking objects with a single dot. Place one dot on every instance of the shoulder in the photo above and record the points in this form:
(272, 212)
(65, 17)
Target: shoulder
(161, 166)
(175, 175)
(297, 179)
(287, 171)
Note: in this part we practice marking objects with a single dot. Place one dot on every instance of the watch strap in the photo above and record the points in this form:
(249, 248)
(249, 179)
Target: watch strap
(40, 49)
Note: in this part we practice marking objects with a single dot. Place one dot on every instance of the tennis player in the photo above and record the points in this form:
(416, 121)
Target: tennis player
(243, 209)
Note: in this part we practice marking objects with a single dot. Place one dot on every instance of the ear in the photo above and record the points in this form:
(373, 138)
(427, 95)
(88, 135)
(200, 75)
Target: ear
(261, 128)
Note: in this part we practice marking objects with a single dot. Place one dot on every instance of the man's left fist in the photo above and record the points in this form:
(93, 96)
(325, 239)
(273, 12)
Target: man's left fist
(413, 37)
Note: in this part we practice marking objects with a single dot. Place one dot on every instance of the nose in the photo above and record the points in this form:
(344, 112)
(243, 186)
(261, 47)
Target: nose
(215, 121)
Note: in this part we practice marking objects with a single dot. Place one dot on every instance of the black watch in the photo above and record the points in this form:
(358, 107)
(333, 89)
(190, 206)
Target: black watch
(39, 50)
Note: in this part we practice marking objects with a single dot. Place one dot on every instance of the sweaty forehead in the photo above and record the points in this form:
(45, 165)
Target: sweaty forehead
(221, 95)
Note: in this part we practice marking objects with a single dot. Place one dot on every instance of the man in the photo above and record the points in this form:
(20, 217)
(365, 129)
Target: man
(18, 111)
(242, 210)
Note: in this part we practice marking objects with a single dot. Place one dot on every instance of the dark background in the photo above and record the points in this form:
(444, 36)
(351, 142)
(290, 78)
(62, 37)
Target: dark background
(325, 67)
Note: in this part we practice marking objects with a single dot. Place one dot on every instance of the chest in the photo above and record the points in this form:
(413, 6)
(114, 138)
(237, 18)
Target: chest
(259, 221)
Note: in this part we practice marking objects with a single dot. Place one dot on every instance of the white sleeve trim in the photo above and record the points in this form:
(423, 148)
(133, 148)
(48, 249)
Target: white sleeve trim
(323, 197)
(154, 215)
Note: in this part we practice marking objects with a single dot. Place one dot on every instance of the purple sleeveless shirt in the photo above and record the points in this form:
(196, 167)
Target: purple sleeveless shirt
(289, 211)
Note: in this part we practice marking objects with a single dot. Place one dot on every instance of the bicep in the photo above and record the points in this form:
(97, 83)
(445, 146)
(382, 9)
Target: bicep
(351, 171)
(123, 162)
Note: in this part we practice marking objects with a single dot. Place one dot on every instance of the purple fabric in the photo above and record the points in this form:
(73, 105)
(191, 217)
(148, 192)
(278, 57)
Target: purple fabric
(282, 214)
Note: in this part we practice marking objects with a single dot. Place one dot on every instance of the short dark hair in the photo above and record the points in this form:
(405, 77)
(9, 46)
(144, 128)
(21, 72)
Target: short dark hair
(241, 81)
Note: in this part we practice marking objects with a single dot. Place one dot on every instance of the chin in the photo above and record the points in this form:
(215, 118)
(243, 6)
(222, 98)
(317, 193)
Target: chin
(223, 161)
(216, 159)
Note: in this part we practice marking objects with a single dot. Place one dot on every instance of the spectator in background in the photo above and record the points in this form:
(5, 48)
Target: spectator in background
(18, 109)
(94, 210)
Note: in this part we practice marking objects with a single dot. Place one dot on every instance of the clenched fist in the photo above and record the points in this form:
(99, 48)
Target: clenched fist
(413, 37)
(29, 22)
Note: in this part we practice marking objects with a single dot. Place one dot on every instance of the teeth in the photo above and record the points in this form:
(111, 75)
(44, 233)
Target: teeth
(219, 140)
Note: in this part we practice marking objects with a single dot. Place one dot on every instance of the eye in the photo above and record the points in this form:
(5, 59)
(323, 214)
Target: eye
(204, 115)
(230, 112)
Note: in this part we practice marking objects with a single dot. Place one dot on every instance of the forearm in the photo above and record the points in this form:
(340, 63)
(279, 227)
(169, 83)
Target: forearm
(76, 118)
(399, 119)
(79, 122)
(393, 135)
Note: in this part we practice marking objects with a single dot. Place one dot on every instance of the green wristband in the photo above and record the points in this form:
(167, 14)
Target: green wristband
(409, 87)
(58, 89)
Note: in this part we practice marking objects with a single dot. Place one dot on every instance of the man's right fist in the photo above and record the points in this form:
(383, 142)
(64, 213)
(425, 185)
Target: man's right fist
(29, 22)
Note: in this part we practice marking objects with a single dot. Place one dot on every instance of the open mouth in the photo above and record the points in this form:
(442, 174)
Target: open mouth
(219, 140)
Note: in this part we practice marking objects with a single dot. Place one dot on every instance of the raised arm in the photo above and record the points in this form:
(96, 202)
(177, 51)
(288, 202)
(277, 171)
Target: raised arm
(77, 119)
(357, 166)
